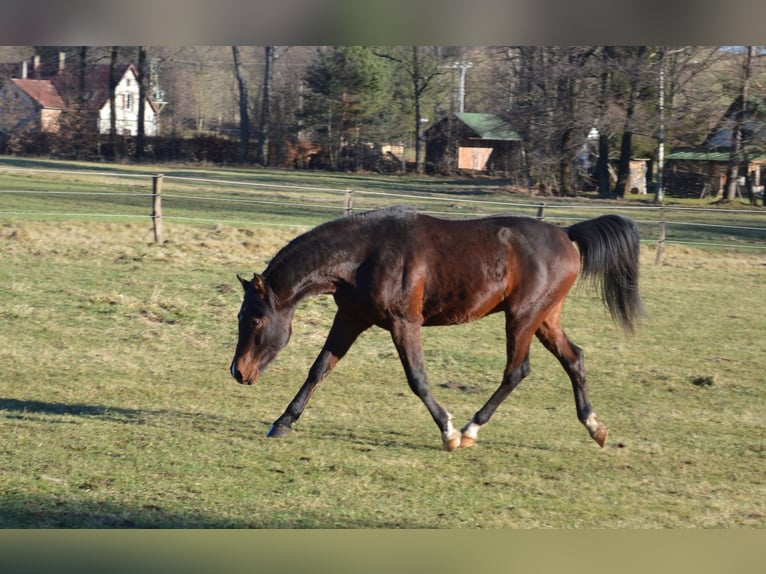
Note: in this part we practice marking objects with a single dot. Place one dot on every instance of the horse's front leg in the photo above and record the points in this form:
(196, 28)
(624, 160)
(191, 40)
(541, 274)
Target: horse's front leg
(406, 337)
(345, 330)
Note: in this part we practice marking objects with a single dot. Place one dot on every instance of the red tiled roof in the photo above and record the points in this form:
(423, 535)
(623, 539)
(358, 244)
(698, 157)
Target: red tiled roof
(96, 84)
(54, 92)
(42, 91)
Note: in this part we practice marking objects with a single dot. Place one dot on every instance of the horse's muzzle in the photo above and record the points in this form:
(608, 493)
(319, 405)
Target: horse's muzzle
(240, 378)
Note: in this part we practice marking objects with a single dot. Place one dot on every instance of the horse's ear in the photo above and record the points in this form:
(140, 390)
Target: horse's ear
(244, 281)
(259, 285)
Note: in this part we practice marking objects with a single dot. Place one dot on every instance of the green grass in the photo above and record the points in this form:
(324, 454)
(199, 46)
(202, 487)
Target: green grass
(245, 196)
(126, 416)
(117, 409)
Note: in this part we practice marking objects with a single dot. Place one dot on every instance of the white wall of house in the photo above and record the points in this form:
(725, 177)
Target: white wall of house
(126, 110)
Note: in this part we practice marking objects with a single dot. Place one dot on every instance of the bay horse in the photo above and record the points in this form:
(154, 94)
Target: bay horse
(402, 270)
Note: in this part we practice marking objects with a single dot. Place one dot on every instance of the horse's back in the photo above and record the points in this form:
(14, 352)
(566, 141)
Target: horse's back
(454, 271)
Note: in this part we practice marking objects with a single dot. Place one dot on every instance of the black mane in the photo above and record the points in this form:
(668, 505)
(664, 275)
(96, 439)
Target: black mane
(335, 237)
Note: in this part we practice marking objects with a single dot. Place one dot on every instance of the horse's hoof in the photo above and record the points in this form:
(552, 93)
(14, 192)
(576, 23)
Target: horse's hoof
(452, 444)
(467, 441)
(277, 431)
(600, 435)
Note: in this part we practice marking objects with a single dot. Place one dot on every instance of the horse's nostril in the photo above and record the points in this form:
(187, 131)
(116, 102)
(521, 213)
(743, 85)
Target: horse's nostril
(235, 373)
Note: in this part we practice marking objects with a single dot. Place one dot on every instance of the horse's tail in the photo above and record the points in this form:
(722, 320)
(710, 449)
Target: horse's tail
(609, 251)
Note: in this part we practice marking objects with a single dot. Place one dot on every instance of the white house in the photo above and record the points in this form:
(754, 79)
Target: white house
(126, 108)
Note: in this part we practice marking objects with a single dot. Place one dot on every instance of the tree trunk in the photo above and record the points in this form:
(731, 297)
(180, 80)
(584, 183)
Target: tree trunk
(141, 102)
(262, 153)
(602, 163)
(626, 146)
(567, 104)
(244, 120)
(416, 80)
(565, 163)
(80, 139)
(735, 159)
(113, 79)
(623, 165)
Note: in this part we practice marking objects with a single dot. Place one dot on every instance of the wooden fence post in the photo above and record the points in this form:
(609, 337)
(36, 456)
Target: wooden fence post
(348, 202)
(157, 207)
(661, 240)
(541, 212)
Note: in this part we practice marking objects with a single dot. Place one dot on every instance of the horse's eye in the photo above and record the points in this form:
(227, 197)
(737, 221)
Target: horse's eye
(255, 322)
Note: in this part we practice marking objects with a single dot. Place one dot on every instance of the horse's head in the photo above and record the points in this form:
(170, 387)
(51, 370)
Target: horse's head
(263, 330)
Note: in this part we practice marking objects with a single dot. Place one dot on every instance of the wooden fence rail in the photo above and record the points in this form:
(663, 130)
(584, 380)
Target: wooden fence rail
(356, 199)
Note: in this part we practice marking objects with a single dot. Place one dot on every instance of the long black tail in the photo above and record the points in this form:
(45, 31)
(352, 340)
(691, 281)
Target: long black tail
(609, 250)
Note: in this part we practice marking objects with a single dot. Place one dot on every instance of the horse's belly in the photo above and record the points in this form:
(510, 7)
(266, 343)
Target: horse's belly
(455, 309)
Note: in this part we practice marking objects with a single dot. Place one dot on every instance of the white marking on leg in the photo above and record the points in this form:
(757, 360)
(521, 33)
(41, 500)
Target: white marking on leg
(450, 433)
(592, 424)
(471, 430)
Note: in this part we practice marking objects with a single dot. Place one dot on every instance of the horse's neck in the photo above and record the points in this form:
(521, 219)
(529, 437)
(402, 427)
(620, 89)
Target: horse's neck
(299, 273)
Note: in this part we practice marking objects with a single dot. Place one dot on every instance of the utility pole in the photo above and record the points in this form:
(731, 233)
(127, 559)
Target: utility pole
(462, 66)
(660, 193)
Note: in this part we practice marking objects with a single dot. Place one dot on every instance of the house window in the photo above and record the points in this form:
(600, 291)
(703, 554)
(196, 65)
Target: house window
(127, 101)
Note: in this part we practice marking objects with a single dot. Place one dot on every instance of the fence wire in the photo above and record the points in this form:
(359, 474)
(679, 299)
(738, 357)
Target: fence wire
(346, 199)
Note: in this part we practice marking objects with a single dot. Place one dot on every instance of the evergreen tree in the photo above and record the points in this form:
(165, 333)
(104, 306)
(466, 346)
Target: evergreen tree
(344, 106)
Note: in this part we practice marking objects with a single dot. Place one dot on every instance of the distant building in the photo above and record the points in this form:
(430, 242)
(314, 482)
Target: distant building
(38, 99)
(702, 170)
(473, 142)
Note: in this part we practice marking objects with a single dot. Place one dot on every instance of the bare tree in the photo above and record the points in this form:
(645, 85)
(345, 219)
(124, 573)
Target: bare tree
(113, 80)
(262, 151)
(634, 72)
(571, 105)
(244, 118)
(735, 157)
(603, 181)
(140, 131)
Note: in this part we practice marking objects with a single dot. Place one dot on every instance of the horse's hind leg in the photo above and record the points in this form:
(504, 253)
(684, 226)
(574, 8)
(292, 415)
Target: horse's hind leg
(571, 357)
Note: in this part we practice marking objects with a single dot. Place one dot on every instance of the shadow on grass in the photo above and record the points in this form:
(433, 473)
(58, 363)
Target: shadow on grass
(55, 512)
(41, 511)
(25, 409)
(51, 513)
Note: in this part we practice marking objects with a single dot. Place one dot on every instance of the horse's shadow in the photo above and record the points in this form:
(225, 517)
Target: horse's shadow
(21, 409)
(47, 408)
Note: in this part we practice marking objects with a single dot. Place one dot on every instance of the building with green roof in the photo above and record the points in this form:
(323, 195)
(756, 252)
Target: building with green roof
(473, 142)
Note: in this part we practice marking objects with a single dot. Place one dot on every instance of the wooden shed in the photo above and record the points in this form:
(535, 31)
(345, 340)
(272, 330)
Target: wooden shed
(697, 173)
(700, 171)
(473, 142)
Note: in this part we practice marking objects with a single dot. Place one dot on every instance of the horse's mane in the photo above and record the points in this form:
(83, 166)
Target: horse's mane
(335, 235)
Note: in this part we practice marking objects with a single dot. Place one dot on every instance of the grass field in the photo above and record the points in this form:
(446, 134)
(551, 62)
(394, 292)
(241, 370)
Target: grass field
(117, 409)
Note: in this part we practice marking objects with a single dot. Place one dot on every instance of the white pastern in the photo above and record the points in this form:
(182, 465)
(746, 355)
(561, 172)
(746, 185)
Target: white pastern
(592, 424)
(471, 430)
(451, 432)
